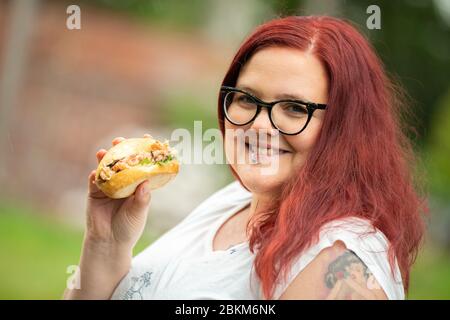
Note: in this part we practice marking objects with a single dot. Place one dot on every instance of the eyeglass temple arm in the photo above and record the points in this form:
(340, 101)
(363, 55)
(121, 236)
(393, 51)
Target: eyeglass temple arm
(317, 105)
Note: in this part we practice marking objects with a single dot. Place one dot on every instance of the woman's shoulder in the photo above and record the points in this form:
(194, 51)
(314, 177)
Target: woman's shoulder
(360, 239)
(351, 226)
(356, 232)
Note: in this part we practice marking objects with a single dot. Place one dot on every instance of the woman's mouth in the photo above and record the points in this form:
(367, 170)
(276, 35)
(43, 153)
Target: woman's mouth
(263, 154)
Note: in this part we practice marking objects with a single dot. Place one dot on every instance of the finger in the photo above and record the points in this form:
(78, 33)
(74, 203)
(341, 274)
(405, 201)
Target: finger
(100, 154)
(117, 140)
(92, 187)
(140, 201)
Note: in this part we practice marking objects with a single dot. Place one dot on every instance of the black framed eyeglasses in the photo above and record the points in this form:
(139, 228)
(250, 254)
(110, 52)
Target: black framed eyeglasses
(288, 116)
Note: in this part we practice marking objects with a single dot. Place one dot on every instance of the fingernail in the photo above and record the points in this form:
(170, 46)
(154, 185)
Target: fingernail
(145, 189)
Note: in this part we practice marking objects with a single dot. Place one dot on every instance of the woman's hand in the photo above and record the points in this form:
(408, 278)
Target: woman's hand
(116, 221)
(113, 227)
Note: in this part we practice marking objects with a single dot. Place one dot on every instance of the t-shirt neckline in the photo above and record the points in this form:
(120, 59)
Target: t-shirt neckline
(218, 224)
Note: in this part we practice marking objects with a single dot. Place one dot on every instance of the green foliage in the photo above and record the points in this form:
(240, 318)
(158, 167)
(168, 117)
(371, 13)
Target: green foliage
(430, 277)
(413, 44)
(173, 14)
(438, 150)
(181, 110)
(36, 251)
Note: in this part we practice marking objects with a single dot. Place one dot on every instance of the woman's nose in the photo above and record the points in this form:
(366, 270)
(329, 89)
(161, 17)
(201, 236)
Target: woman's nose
(262, 122)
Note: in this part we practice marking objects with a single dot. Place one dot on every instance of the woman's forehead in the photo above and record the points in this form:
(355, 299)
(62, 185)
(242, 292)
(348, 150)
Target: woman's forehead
(275, 73)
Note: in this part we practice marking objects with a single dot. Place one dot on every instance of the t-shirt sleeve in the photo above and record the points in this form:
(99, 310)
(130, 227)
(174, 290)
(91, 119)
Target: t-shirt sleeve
(368, 243)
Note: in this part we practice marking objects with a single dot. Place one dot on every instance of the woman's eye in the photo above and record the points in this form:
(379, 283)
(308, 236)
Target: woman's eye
(244, 99)
(295, 108)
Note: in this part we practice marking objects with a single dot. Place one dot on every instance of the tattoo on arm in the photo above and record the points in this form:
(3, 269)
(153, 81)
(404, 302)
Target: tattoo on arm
(348, 278)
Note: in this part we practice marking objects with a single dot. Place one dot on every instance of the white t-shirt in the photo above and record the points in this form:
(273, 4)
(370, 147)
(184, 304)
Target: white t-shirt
(181, 264)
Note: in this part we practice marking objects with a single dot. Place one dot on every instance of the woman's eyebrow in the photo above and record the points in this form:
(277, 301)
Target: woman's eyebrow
(277, 97)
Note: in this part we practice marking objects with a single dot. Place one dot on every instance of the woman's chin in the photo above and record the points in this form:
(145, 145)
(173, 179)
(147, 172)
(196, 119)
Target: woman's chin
(260, 179)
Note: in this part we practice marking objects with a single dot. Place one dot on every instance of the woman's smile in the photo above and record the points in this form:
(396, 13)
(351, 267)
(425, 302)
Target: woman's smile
(263, 153)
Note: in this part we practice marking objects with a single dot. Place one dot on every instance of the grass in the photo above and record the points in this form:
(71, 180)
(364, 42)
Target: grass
(430, 276)
(36, 252)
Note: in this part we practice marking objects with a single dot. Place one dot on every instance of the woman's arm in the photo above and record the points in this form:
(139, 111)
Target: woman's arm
(363, 291)
(113, 227)
(336, 291)
(102, 266)
(336, 273)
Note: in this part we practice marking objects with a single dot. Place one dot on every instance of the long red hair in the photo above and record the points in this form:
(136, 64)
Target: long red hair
(362, 163)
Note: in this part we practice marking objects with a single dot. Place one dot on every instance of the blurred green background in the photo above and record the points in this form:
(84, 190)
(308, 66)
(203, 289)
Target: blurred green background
(152, 66)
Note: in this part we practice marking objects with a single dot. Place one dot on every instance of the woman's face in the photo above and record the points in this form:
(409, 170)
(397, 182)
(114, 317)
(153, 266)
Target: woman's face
(272, 74)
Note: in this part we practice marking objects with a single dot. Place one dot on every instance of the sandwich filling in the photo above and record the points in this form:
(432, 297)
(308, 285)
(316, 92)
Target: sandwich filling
(157, 153)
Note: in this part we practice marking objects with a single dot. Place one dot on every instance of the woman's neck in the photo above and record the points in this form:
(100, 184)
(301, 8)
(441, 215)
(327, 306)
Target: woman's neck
(259, 204)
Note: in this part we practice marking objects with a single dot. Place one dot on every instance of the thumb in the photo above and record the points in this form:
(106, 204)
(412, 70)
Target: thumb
(140, 201)
(93, 190)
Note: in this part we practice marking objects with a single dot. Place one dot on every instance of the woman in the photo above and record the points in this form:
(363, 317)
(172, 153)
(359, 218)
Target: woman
(336, 218)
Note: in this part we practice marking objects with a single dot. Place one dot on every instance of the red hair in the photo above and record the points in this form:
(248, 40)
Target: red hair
(362, 162)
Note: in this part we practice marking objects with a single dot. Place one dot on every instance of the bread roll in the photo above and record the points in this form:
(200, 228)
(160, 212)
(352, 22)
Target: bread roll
(133, 161)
